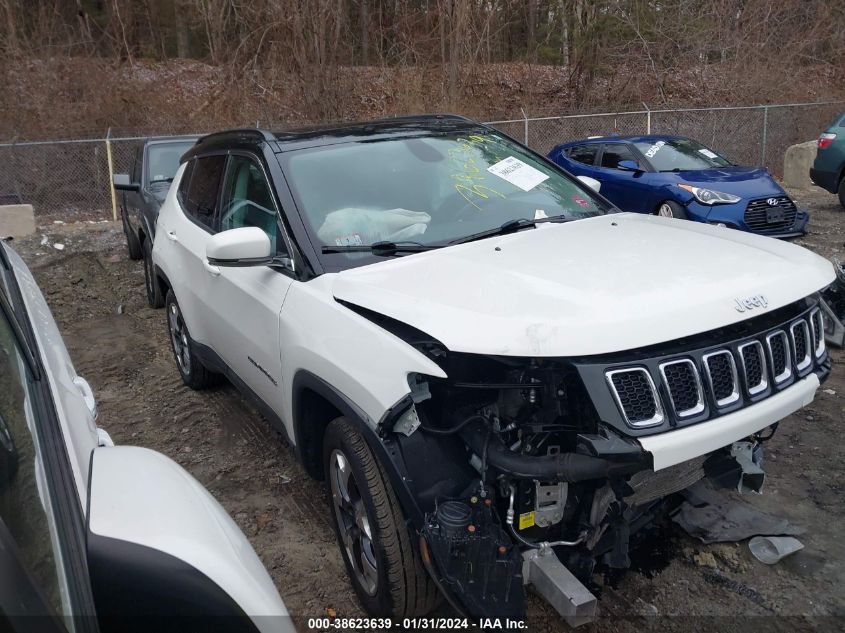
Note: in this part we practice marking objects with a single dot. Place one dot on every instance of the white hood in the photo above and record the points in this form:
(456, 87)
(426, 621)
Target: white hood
(593, 286)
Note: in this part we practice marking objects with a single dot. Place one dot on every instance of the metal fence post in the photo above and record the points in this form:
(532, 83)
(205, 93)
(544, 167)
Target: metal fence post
(525, 118)
(647, 118)
(111, 176)
(765, 132)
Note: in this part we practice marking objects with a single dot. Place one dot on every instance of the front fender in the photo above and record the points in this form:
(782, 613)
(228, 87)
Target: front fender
(359, 359)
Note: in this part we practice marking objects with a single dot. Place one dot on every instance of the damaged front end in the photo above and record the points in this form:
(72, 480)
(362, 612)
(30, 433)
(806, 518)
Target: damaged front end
(833, 307)
(542, 470)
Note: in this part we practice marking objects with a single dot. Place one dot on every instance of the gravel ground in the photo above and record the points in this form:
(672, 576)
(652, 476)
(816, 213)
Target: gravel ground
(120, 345)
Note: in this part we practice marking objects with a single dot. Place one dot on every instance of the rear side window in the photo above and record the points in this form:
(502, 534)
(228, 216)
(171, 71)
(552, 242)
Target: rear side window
(182, 192)
(615, 152)
(201, 197)
(584, 153)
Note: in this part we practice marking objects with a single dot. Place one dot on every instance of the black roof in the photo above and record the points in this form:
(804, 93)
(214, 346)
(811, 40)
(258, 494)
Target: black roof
(164, 140)
(333, 133)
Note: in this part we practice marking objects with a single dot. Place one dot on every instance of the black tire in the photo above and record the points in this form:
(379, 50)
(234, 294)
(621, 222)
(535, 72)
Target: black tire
(133, 244)
(194, 374)
(402, 588)
(154, 295)
(841, 192)
(671, 209)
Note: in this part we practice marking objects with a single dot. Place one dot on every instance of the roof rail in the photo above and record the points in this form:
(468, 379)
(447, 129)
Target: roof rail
(261, 134)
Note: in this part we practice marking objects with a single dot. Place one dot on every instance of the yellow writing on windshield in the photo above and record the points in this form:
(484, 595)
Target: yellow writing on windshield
(476, 190)
(467, 172)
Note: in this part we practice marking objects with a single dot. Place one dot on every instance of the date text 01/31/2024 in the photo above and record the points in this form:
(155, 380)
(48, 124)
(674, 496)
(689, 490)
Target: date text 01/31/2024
(413, 624)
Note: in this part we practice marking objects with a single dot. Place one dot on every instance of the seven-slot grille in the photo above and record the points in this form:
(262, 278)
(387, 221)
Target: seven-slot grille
(748, 369)
(757, 214)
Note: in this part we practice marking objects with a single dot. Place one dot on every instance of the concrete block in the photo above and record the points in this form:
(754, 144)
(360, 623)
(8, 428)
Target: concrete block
(797, 162)
(16, 220)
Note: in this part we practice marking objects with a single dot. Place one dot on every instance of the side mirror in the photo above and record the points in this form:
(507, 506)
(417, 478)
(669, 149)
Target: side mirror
(246, 246)
(628, 165)
(160, 546)
(122, 182)
(592, 183)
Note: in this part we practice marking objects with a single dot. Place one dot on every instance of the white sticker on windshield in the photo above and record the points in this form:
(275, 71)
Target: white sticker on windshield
(654, 149)
(518, 173)
(353, 239)
(708, 153)
(539, 214)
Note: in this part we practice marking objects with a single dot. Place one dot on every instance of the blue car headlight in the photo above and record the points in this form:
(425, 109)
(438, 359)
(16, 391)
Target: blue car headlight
(708, 196)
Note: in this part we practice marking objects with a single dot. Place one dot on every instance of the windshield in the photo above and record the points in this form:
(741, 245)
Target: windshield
(680, 154)
(429, 190)
(163, 160)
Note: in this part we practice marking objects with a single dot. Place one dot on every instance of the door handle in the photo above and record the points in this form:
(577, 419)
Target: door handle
(214, 271)
(87, 395)
(172, 236)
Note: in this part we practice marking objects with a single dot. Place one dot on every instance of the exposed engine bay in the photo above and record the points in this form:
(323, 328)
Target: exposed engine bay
(521, 480)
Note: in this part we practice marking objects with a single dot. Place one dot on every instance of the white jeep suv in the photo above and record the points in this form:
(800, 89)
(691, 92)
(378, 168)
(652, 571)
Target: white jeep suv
(499, 378)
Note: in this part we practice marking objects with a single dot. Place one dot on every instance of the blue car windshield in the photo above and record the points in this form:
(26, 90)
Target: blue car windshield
(680, 154)
(429, 190)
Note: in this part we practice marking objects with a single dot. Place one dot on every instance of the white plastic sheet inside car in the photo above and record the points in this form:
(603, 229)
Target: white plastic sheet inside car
(355, 227)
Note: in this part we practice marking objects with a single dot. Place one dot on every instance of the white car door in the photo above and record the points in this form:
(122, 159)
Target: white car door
(184, 232)
(247, 301)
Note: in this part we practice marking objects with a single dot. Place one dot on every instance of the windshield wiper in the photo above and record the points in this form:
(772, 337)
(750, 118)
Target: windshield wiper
(511, 226)
(380, 249)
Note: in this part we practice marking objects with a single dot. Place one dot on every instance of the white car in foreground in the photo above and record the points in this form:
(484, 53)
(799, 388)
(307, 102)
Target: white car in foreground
(97, 537)
(499, 378)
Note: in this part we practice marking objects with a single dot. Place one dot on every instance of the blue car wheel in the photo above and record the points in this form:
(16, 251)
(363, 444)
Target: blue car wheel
(671, 209)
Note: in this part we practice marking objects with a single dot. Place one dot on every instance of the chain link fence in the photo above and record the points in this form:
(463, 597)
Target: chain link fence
(73, 178)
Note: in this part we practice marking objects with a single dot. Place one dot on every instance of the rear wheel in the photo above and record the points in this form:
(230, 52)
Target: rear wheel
(375, 542)
(671, 209)
(194, 373)
(154, 294)
(133, 244)
(842, 192)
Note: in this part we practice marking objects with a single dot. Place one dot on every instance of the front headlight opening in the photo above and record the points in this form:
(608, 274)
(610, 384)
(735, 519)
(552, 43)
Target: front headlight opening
(709, 196)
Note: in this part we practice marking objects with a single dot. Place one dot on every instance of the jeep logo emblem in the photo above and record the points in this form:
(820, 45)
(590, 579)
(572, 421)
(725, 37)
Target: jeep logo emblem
(749, 303)
(772, 202)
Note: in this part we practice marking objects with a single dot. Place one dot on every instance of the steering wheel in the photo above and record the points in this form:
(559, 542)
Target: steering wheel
(468, 211)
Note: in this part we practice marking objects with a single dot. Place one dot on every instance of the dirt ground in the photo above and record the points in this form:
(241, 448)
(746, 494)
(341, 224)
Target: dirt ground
(120, 346)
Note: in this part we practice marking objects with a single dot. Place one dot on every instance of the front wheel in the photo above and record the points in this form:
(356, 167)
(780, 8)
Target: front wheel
(842, 192)
(386, 571)
(133, 244)
(671, 209)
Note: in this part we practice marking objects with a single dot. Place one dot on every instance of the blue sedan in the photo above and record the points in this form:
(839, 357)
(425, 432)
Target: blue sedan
(678, 177)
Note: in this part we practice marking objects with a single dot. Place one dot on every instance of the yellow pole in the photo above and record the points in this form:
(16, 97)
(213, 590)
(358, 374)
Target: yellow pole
(111, 177)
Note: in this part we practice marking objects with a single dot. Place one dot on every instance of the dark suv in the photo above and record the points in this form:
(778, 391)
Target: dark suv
(828, 170)
(141, 194)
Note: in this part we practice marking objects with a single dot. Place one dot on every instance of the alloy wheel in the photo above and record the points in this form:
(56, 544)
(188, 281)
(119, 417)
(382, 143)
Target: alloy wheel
(179, 338)
(665, 211)
(353, 522)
